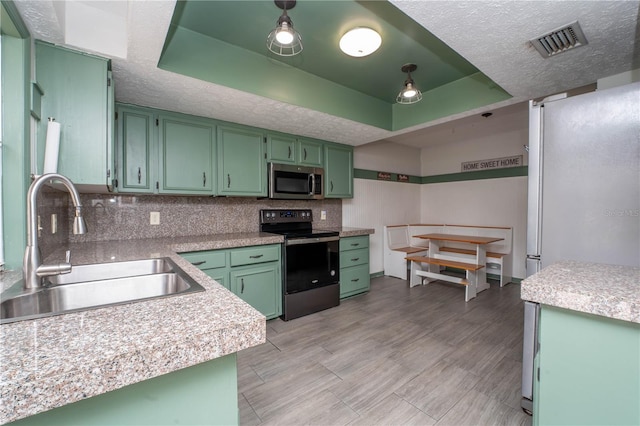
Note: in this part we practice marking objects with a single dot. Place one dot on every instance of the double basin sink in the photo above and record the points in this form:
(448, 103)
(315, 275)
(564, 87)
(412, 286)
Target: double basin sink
(95, 286)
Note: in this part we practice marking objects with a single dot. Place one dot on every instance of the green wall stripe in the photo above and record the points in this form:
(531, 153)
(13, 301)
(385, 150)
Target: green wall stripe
(451, 177)
(483, 174)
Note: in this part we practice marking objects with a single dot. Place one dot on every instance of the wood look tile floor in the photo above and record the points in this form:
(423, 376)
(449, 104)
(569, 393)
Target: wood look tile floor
(394, 356)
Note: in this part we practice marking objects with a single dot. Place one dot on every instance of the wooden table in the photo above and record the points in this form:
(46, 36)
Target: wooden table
(476, 275)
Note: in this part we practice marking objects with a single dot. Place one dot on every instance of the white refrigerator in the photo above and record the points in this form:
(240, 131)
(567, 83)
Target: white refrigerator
(584, 190)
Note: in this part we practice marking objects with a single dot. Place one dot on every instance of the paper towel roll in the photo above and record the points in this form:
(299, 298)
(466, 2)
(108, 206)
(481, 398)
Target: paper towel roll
(51, 148)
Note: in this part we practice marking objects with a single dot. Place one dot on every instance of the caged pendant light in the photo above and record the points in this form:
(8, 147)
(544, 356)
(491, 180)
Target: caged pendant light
(409, 94)
(284, 40)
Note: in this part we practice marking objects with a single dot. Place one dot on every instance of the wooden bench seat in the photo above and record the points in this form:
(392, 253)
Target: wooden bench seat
(419, 273)
(446, 263)
(409, 250)
(471, 252)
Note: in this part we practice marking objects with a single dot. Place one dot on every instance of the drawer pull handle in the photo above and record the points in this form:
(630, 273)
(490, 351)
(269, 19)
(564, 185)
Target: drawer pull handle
(355, 244)
(202, 262)
(242, 286)
(355, 280)
(355, 260)
(256, 256)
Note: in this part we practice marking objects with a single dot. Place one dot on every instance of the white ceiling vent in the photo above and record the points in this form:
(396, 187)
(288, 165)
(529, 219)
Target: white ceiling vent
(560, 40)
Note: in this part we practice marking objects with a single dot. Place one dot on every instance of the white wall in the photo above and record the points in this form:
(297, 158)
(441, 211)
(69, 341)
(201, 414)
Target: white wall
(489, 202)
(379, 203)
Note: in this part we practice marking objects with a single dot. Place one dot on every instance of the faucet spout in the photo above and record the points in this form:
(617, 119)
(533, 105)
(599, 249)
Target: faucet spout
(32, 267)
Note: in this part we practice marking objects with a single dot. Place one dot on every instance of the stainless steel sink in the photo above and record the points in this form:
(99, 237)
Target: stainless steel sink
(95, 286)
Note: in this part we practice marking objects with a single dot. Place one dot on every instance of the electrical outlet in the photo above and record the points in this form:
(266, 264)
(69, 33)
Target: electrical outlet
(54, 223)
(323, 215)
(154, 218)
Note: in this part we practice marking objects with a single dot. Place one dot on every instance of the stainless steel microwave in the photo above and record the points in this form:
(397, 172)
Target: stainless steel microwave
(291, 182)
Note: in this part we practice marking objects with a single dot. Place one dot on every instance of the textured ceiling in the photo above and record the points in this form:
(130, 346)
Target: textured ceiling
(492, 35)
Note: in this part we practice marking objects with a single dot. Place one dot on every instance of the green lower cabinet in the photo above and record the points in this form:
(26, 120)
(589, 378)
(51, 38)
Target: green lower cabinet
(204, 394)
(354, 266)
(252, 273)
(255, 285)
(589, 370)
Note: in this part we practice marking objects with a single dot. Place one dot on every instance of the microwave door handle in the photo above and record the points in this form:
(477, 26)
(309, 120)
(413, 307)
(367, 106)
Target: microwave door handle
(312, 177)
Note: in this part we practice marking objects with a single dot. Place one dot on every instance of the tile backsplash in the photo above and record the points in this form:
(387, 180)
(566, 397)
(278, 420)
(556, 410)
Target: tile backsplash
(122, 217)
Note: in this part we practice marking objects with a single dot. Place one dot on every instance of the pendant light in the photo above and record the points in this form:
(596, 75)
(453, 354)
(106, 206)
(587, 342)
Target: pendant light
(409, 93)
(284, 40)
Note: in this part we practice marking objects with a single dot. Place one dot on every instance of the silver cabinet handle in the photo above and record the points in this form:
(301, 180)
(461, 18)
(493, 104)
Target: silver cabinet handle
(204, 179)
(242, 286)
(139, 175)
(257, 256)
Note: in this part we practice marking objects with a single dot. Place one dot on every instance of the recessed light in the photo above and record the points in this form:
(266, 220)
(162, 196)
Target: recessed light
(359, 42)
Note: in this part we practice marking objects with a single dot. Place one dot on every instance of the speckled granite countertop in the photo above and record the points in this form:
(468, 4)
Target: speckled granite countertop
(353, 232)
(607, 290)
(54, 361)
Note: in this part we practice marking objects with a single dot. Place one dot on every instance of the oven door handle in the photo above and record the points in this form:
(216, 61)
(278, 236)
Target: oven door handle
(311, 240)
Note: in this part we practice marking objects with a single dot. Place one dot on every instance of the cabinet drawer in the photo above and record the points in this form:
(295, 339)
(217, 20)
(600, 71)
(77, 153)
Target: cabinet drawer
(207, 259)
(354, 280)
(353, 243)
(354, 257)
(256, 254)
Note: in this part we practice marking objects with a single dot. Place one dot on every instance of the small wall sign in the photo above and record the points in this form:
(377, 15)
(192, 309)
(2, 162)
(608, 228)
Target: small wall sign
(384, 176)
(403, 178)
(494, 163)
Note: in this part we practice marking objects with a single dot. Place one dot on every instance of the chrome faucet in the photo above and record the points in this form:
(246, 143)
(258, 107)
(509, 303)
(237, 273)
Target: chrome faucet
(32, 267)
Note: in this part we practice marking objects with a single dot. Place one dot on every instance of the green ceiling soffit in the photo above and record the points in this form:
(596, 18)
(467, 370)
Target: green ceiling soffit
(462, 95)
(241, 69)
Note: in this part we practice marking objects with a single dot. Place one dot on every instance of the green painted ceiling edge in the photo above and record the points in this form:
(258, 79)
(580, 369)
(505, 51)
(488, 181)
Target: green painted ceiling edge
(234, 67)
(11, 22)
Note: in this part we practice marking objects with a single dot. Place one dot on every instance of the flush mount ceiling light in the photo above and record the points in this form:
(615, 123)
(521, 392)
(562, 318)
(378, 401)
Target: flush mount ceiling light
(409, 93)
(359, 42)
(284, 40)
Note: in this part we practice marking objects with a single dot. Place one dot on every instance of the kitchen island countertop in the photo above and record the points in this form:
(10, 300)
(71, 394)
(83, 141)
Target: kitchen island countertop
(54, 361)
(611, 291)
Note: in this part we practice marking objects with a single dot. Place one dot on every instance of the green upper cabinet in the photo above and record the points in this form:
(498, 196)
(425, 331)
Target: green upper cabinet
(187, 149)
(136, 162)
(78, 93)
(281, 149)
(290, 150)
(338, 171)
(310, 153)
(242, 166)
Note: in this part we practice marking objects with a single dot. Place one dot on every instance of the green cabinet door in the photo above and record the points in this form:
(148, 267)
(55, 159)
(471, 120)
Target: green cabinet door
(77, 91)
(310, 153)
(186, 155)
(281, 149)
(136, 150)
(242, 167)
(260, 287)
(338, 171)
(354, 266)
